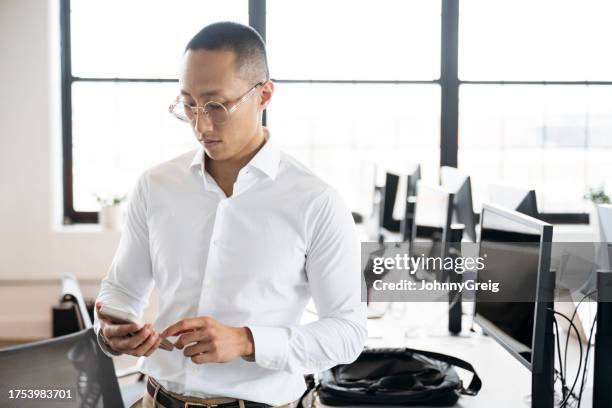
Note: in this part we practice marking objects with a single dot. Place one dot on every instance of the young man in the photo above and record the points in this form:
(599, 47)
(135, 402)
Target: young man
(236, 236)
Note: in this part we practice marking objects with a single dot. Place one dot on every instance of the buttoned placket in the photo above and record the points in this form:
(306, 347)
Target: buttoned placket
(215, 245)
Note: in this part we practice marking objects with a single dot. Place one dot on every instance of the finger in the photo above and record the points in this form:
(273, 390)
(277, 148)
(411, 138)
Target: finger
(204, 358)
(201, 347)
(185, 325)
(120, 330)
(143, 348)
(132, 342)
(155, 346)
(183, 332)
(193, 336)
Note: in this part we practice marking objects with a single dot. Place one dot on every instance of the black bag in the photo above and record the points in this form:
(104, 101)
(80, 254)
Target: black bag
(397, 376)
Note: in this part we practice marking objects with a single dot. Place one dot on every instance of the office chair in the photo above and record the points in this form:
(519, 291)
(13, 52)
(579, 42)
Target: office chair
(71, 292)
(72, 364)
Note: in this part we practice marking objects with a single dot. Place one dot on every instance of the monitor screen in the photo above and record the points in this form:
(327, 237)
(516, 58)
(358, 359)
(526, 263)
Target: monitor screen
(398, 187)
(511, 244)
(432, 220)
(463, 208)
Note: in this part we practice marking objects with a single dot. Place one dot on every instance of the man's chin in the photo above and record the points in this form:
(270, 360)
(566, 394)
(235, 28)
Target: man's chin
(215, 153)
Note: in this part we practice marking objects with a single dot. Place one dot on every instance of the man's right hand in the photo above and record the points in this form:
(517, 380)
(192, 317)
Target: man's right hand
(133, 339)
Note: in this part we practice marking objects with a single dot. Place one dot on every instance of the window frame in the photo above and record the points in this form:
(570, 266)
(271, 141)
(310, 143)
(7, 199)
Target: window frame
(449, 83)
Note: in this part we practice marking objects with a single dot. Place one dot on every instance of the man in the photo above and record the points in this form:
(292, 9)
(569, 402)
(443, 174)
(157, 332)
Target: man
(236, 236)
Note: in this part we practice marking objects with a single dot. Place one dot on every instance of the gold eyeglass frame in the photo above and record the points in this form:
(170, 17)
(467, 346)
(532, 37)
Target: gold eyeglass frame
(196, 109)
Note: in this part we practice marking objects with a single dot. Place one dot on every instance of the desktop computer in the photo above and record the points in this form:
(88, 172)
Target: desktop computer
(432, 234)
(433, 216)
(517, 252)
(463, 207)
(394, 203)
(602, 380)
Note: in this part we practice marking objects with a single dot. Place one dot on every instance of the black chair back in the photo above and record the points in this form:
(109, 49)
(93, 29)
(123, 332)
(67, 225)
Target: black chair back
(73, 364)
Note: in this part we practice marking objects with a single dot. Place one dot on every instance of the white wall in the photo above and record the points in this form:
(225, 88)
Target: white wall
(33, 244)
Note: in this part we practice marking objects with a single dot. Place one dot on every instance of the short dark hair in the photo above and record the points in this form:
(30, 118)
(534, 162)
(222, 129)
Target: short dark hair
(244, 41)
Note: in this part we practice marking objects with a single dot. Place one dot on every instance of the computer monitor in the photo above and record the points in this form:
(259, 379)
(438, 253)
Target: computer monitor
(398, 187)
(602, 383)
(516, 249)
(463, 208)
(432, 219)
(514, 198)
(431, 235)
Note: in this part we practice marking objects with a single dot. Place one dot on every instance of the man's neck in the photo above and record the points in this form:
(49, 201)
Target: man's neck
(225, 172)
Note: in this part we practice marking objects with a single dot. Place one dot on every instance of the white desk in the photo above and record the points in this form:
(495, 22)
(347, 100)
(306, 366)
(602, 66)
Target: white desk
(506, 383)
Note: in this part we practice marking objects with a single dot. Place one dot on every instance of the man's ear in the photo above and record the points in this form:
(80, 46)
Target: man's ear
(267, 89)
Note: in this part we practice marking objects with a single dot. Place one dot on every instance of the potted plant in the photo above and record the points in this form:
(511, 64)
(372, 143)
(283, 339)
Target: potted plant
(110, 215)
(597, 196)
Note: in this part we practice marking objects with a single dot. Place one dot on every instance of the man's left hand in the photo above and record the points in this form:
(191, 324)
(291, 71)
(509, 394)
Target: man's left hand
(210, 341)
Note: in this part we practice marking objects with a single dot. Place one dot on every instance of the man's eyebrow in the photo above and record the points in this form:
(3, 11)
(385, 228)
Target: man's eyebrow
(214, 92)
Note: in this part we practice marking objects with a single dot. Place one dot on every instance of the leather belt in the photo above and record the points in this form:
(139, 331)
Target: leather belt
(167, 400)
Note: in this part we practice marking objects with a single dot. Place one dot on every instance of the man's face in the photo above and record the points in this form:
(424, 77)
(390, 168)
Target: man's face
(211, 76)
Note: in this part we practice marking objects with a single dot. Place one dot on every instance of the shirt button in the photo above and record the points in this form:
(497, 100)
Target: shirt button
(216, 242)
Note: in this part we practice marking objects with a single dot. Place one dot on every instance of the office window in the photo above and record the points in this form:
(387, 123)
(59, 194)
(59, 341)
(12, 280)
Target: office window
(357, 83)
(356, 87)
(341, 130)
(554, 137)
(125, 58)
(354, 39)
(119, 130)
(547, 40)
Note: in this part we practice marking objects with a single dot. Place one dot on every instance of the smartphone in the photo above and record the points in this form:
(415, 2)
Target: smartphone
(120, 316)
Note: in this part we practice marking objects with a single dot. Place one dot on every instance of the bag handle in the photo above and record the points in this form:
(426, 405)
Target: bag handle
(475, 384)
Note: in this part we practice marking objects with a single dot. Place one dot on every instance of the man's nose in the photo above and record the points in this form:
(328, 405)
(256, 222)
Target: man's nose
(203, 123)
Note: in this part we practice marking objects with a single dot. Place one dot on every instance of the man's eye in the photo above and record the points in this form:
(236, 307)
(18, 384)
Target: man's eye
(215, 106)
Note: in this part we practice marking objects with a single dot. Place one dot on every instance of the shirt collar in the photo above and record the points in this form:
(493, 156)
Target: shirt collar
(267, 159)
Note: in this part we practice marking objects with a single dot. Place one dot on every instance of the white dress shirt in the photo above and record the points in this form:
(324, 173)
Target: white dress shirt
(253, 259)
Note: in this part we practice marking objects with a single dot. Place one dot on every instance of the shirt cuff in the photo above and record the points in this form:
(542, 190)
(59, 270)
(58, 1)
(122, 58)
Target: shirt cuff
(105, 347)
(271, 346)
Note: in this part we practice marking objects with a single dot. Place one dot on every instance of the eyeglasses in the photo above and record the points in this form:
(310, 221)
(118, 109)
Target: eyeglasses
(217, 112)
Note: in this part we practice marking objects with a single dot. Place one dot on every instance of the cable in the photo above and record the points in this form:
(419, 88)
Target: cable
(561, 372)
(586, 361)
(558, 376)
(572, 320)
(572, 325)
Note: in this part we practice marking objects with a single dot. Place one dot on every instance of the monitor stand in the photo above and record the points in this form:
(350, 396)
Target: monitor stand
(454, 296)
(543, 365)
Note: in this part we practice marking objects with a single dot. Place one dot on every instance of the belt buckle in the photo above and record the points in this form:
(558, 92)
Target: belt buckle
(196, 404)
